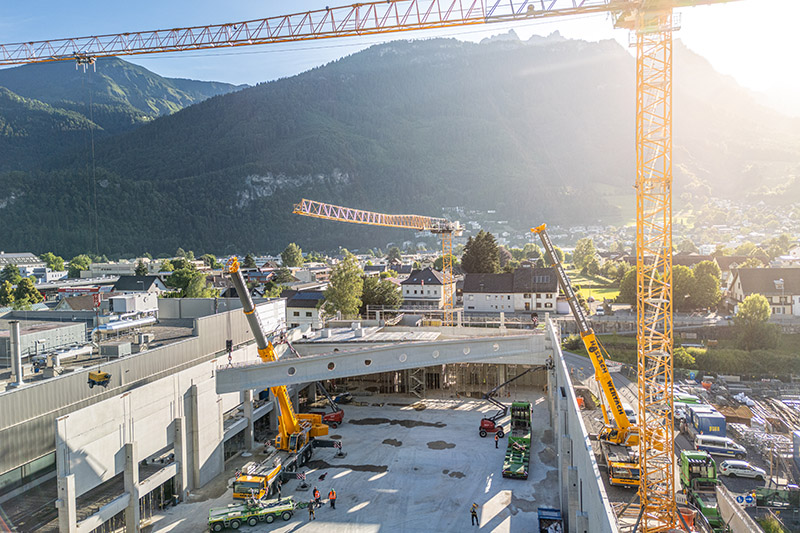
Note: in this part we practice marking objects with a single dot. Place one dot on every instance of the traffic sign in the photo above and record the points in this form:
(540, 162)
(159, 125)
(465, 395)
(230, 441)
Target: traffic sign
(748, 498)
(740, 499)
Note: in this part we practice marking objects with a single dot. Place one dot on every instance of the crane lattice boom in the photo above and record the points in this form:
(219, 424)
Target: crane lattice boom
(360, 19)
(312, 208)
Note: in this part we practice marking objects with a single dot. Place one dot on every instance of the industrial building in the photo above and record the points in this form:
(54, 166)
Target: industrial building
(76, 458)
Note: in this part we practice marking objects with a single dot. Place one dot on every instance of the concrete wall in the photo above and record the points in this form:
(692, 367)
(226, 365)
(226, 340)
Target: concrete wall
(28, 414)
(200, 307)
(48, 339)
(583, 497)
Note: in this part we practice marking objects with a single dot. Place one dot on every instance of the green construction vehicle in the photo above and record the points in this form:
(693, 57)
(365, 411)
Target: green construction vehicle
(518, 453)
(251, 513)
(699, 482)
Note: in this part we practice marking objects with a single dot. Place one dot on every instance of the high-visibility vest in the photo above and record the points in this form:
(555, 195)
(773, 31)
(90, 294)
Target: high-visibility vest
(316, 494)
(332, 494)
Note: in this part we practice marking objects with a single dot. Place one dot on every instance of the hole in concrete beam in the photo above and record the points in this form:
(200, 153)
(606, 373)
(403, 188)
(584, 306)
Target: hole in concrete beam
(292, 370)
(331, 365)
(367, 362)
(403, 357)
(435, 354)
(496, 347)
(466, 350)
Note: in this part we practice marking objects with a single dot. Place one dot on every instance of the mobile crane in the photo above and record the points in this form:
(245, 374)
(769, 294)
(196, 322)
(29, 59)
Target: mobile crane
(296, 432)
(489, 424)
(616, 440)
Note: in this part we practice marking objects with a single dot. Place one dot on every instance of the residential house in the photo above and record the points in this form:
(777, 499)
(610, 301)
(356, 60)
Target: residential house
(131, 284)
(304, 307)
(526, 290)
(781, 286)
(425, 288)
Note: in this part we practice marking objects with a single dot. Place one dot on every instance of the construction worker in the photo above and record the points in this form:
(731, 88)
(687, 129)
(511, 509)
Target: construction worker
(311, 511)
(316, 496)
(332, 498)
(474, 512)
(496, 439)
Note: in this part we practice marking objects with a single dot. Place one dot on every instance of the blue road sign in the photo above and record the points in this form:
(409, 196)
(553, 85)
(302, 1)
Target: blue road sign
(748, 499)
(740, 499)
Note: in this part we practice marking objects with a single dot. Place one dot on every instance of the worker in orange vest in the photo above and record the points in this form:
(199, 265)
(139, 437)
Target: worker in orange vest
(332, 498)
(316, 497)
(496, 439)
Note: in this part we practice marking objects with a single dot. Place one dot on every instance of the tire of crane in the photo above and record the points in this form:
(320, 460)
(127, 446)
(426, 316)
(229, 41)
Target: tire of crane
(270, 518)
(334, 425)
(286, 515)
(234, 524)
(500, 433)
(307, 456)
(252, 521)
(482, 433)
(217, 526)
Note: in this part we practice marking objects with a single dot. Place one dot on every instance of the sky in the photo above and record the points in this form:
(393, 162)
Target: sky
(755, 41)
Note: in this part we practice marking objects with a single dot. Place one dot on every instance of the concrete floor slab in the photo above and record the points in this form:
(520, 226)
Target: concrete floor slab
(411, 469)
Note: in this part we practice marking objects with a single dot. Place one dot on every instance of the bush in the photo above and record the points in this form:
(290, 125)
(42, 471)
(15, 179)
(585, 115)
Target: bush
(682, 358)
(572, 343)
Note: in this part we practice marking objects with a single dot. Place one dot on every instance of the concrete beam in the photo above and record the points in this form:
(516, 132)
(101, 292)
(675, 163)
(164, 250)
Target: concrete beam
(527, 349)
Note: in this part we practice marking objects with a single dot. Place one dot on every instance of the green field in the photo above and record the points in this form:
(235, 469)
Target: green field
(597, 287)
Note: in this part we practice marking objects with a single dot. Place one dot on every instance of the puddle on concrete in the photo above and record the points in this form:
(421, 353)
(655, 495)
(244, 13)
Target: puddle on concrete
(320, 464)
(334, 437)
(457, 475)
(440, 445)
(520, 504)
(404, 423)
(399, 404)
(547, 436)
(392, 442)
(376, 405)
(445, 471)
(548, 456)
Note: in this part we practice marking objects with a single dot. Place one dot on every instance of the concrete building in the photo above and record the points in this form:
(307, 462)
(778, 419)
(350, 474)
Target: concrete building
(23, 259)
(42, 273)
(781, 287)
(131, 284)
(38, 337)
(526, 290)
(425, 289)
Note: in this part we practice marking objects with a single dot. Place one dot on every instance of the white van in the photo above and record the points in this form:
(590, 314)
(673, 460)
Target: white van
(719, 446)
(631, 412)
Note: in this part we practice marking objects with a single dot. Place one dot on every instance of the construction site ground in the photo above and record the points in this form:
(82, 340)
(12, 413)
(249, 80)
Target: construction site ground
(411, 466)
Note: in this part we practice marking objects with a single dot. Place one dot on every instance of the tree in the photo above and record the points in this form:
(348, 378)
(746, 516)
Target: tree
(78, 264)
(751, 262)
(283, 275)
(141, 268)
(197, 287)
(627, 288)
(380, 292)
(210, 261)
(167, 266)
(26, 292)
(393, 255)
(683, 286)
(180, 278)
(6, 294)
(532, 251)
(439, 263)
(180, 252)
(559, 256)
(706, 293)
(504, 255)
(707, 268)
(583, 253)
(591, 267)
(745, 248)
(481, 255)
(54, 262)
(249, 261)
(721, 250)
(346, 286)
(11, 274)
(761, 255)
(687, 246)
(292, 256)
(751, 321)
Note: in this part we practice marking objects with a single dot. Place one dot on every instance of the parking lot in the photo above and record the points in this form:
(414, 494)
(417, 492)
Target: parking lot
(410, 467)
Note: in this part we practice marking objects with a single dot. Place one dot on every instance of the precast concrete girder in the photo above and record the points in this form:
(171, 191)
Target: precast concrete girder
(516, 349)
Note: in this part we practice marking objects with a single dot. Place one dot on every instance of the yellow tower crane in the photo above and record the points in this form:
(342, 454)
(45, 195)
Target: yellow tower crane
(652, 23)
(440, 226)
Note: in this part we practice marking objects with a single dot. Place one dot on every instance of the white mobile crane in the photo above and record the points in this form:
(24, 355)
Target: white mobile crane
(617, 441)
(296, 432)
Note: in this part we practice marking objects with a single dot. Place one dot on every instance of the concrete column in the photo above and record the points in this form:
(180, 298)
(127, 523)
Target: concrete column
(182, 480)
(67, 512)
(194, 424)
(458, 318)
(573, 502)
(295, 399)
(581, 522)
(131, 479)
(565, 449)
(16, 354)
(273, 415)
(311, 392)
(249, 432)
(502, 321)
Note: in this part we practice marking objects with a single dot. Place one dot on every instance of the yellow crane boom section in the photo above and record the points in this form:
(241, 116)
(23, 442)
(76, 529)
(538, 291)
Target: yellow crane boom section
(596, 351)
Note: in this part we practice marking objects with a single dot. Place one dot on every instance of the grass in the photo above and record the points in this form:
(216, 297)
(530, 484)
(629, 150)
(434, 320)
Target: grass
(597, 287)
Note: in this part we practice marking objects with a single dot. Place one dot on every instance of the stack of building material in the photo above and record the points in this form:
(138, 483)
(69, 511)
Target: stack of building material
(764, 443)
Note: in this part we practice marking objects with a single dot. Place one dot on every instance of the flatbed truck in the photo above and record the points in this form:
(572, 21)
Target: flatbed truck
(622, 464)
(251, 513)
(699, 483)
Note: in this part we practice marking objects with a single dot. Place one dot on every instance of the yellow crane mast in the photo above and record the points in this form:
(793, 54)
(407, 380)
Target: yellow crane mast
(440, 226)
(652, 23)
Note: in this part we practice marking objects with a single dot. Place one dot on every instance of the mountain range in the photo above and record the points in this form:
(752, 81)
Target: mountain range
(538, 130)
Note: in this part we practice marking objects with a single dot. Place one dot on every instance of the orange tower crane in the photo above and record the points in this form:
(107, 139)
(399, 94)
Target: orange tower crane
(441, 226)
(651, 22)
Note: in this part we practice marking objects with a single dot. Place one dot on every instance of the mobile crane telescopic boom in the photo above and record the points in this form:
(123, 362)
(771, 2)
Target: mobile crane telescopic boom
(626, 433)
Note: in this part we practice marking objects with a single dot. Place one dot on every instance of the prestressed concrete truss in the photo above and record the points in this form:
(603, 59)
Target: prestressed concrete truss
(528, 349)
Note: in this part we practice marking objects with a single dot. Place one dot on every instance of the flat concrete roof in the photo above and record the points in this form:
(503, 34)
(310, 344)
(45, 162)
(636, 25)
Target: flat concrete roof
(28, 326)
(410, 467)
(373, 334)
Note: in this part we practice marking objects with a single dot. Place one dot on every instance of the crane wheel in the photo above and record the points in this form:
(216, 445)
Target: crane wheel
(234, 524)
(334, 425)
(270, 518)
(482, 433)
(252, 521)
(287, 515)
(500, 434)
(217, 527)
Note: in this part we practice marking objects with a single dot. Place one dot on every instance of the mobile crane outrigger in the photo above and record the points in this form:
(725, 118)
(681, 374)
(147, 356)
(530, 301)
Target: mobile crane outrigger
(616, 440)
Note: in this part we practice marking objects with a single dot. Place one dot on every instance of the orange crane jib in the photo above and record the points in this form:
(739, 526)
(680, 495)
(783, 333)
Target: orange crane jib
(367, 18)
